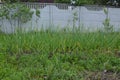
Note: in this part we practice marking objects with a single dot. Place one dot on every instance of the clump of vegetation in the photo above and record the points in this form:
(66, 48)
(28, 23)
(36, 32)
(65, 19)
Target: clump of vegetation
(107, 26)
(17, 14)
(59, 55)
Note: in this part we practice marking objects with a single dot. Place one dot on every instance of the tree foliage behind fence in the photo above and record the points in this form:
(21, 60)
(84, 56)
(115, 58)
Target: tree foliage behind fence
(82, 2)
(78, 2)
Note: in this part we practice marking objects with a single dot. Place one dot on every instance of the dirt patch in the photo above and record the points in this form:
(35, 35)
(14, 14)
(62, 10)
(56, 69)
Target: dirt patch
(105, 75)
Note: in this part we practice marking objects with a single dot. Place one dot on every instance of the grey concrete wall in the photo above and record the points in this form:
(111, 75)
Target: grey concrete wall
(90, 18)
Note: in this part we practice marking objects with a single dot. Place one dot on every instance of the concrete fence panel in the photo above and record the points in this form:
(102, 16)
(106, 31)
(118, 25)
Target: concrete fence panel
(61, 15)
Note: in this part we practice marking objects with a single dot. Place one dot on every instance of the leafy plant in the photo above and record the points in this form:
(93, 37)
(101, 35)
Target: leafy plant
(17, 13)
(37, 12)
(107, 26)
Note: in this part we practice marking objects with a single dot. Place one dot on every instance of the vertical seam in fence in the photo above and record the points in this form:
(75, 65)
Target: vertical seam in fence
(107, 13)
(79, 16)
(49, 15)
(52, 16)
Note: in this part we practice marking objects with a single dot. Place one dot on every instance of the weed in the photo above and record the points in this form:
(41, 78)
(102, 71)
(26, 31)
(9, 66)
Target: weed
(107, 26)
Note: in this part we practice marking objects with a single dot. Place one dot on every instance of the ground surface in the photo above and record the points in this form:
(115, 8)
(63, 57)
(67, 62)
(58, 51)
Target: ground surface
(60, 56)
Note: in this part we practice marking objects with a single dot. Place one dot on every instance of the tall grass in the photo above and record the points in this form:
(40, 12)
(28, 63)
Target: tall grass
(59, 41)
(58, 55)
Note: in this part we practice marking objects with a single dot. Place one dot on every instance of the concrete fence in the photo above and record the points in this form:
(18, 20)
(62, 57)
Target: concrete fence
(62, 15)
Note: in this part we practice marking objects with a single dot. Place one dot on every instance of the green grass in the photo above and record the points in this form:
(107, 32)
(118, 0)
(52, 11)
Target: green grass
(59, 55)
